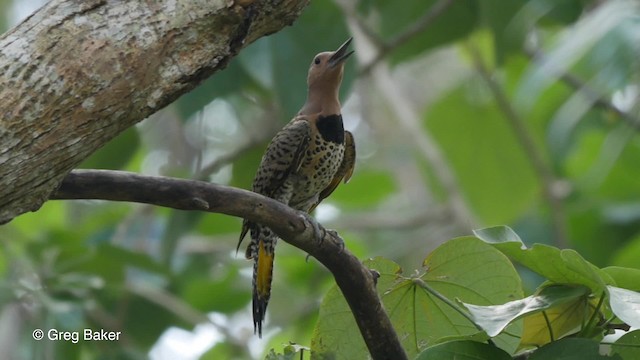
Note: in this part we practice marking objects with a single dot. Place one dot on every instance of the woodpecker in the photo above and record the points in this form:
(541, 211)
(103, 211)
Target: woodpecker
(302, 165)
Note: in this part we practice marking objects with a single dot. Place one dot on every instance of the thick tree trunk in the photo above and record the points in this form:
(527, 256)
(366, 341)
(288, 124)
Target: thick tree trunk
(78, 72)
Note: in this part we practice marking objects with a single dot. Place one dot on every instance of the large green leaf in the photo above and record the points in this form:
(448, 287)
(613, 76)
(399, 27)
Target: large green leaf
(456, 22)
(495, 318)
(557, 322)
(628, 254)
(628, 346)
(116, 153)
(508, 34)
(231, 80)
(336, 335)
(463, 350)
(463, 268)
(494, 173)
(225, 293)
(560, 266)
(626, 278)
(497, 235)
(626, 305)
(571, 349)
(610, 173)
(365, 189)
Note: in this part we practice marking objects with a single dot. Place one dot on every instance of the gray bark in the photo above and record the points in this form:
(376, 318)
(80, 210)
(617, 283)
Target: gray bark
(78, 72)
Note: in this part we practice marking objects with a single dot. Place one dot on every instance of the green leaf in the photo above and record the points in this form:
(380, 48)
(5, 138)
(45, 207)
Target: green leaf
(221, 350)
(626, 305)
(292, 53)
(508, 33)
(628, 346)
(628, 254)
(336, 335)
(285, 356)
(232, 80)
(226, 293)
(215, 224)
(116, 153)
(456, 22)
(626, 278)
(463, 350)
(560, 266)
(178, 223)
(499, 168)
(497, 234)
(572, 46)
(563, 319)
(495, 318)
(463, 268)
(145, 320)
(466, 269)
(365, 190)
(244, 169)
(571, 349)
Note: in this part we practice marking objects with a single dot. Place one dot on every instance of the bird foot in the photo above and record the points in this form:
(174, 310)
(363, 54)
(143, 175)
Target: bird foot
(321, 233)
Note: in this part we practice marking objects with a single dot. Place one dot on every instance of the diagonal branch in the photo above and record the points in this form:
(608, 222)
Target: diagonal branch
(355, 281)
(597, 98)
(551, 187)
(412, 30)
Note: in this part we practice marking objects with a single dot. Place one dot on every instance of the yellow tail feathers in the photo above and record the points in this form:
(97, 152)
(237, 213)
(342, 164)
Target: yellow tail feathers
(262, 273)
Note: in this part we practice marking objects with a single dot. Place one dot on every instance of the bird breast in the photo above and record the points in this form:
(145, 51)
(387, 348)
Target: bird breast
(319, 165)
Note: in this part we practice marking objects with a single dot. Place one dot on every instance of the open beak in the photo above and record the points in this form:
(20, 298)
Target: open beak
(340, 55)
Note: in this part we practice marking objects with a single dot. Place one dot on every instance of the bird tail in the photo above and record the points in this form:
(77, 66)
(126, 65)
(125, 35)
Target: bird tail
(262, 275)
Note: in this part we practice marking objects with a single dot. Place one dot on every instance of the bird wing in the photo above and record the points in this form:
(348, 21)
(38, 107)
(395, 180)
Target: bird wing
(344, 171)
(283, 157)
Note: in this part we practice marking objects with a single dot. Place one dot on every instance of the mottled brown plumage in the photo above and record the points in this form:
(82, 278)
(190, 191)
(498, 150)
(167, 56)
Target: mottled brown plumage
(302, 165)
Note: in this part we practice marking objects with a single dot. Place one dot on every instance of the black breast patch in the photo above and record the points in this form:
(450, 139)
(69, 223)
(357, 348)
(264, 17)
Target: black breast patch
(331, 128)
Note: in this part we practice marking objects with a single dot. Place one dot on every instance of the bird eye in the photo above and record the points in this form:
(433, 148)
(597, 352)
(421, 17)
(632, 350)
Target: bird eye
(316, 60)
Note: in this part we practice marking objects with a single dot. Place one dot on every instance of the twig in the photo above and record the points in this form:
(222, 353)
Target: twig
(400, 39)
(547, 180)
(223, 160)
(596, 98)
(354, 280)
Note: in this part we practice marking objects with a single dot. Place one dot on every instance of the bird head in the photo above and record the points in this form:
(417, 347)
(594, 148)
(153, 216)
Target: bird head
(325, 72)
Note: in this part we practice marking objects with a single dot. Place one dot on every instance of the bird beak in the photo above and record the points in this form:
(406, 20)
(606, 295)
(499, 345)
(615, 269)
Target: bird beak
(340, 55)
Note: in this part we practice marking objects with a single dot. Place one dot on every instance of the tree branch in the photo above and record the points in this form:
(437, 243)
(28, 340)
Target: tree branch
(597, 98)
(77, 73)
(355, 281)
(412, 30)
(551, 188)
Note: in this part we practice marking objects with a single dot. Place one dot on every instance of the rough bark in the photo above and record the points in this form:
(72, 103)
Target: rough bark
(356, 282)
(78, 72)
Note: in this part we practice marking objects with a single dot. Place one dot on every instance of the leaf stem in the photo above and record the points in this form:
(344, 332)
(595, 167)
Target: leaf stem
(593, 316)
(546, 319)
(434, 292)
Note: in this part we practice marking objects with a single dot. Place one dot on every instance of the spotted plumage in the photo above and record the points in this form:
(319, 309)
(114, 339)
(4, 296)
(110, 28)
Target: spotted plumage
(302, 165)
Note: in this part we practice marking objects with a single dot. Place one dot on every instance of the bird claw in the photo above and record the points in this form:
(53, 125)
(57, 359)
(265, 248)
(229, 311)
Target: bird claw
(337, 239)
(320, 233)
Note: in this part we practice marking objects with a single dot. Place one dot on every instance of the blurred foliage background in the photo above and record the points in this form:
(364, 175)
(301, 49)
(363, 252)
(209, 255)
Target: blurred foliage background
(466, 114)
